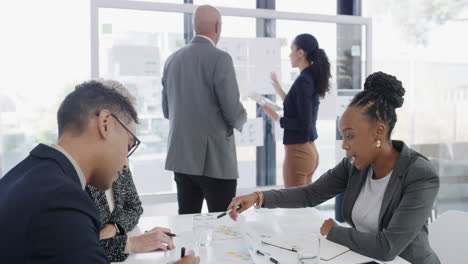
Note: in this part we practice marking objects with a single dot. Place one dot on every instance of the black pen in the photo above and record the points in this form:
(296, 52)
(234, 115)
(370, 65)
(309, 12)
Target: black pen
(274, 260)
(170, 234)
(290, 249)
(167, 233)
(182, 252)
(225, 213)
(260, 253)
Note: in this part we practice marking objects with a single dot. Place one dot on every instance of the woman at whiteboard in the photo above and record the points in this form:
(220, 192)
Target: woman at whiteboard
(301, 105)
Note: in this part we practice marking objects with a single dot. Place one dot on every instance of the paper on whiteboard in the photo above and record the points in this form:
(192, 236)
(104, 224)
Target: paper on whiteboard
(135, 60)
(265, 54)
(252, 133)
(254, 60)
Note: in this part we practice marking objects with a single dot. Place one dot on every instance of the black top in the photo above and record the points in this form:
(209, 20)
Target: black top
(300, 110)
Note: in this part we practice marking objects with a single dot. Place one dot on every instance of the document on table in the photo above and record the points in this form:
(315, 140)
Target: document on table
(328, 249)
(287, 232)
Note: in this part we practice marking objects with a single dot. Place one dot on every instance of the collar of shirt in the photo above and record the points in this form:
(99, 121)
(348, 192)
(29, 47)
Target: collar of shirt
(207, 39)
(73, 162)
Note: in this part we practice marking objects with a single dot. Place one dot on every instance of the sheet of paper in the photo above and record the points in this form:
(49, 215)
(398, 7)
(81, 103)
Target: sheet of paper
(254, 60)
(262, 100)
(328, 249)
(137, 60)
(286, 231)
(252, 133)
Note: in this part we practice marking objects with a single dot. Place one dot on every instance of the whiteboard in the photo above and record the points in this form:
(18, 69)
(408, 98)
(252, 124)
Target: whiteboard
(254, 60)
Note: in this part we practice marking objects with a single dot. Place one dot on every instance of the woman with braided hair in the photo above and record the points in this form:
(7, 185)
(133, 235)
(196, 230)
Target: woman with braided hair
(389, 189)
(301, 105)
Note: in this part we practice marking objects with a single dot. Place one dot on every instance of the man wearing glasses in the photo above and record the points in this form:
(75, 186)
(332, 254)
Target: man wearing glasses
(46, 214)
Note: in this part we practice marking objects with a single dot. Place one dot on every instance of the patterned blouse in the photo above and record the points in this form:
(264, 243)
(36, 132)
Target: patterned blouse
(126, 214)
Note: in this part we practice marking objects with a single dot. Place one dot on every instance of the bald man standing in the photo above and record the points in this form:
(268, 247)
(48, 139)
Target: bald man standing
(200, 97)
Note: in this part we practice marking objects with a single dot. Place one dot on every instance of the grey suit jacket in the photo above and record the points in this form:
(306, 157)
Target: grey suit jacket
(406, 206)
(200, 98)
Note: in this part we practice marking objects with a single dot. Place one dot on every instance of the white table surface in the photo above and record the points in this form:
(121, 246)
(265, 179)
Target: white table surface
(229, 248)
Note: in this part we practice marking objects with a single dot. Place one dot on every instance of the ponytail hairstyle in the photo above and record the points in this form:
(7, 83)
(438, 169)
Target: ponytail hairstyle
(320, 66)
(382, 94)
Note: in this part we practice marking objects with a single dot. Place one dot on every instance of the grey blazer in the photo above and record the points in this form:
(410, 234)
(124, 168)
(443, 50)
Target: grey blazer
(126, 213)
(406, 206)
(200, 98)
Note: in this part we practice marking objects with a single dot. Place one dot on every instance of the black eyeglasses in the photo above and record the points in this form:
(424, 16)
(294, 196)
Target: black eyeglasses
(136, 141)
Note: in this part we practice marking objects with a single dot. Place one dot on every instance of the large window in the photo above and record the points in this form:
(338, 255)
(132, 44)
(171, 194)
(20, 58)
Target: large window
(428, 54)
(133, 46)
(325, 7)
(44, 53)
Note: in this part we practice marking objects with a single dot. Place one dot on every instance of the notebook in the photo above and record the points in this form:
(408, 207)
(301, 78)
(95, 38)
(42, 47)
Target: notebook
(328, 249)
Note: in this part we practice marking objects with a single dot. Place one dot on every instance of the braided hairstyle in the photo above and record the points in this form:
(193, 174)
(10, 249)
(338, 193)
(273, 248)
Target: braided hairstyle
(320, 66)
(382, 94)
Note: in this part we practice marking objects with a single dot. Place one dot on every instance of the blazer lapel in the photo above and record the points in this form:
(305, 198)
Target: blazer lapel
(396, 178)
(354, 189)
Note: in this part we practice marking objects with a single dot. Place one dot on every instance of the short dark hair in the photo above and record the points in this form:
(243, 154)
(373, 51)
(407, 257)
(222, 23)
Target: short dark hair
(86, 100)
(382, 94)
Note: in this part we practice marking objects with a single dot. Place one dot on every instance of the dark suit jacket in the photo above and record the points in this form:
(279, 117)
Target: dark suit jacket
(406, 207)
(126, 213)
(45, 215)
(301, 106)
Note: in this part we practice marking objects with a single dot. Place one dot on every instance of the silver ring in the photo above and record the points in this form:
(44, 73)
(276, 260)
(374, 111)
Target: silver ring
(165, 244)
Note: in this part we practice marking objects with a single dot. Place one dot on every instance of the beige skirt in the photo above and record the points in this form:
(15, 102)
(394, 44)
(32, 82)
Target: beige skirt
(300, 162)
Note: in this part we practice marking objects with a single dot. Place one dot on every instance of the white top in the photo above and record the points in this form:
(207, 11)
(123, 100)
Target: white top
(110, 199)
(73, 162)
(366, 210)
(207, 39)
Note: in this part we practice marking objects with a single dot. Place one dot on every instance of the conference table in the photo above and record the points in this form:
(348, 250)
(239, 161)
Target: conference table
(228, 244)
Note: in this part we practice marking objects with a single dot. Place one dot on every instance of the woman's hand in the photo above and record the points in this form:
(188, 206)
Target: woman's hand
(245, 200)
(275, 82)
(270, 112)
(107, 232)
(277, 85)
(152, 240)
(327, 226)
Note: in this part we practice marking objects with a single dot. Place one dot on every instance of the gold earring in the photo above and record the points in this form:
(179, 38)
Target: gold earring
(378, 144)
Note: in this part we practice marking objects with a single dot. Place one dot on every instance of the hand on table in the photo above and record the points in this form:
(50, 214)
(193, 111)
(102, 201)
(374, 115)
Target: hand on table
(152, 240)
(327, 226)
(245, 200)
